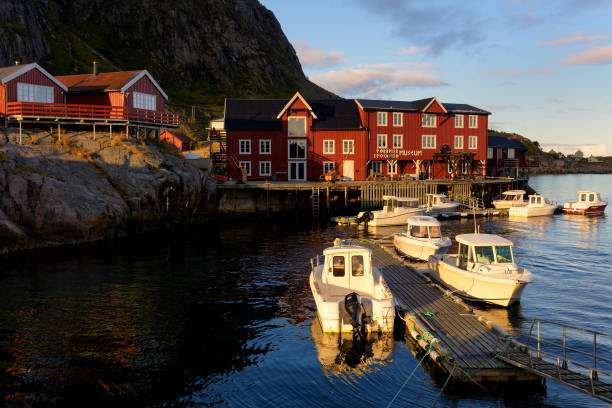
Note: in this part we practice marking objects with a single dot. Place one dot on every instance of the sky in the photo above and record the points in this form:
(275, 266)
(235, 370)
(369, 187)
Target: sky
(542, 68)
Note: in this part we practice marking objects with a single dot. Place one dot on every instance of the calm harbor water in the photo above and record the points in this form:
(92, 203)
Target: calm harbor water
(224, 316)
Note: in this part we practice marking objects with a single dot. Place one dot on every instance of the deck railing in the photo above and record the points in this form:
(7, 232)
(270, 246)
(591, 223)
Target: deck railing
(78, 111)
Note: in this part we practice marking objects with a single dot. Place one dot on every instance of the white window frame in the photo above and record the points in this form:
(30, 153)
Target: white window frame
(381, 118)
(399, 138)
(246, 165)
(392, 168)
(144, 101)
(246, 144)
(429, 120)
(472, 142)
(473, 122)
(398, 119)
(34, 93)
(489, 152)
(458, 145)
(329, 143)
(351, 144)
(269, 165)
(428, 141)
(464, 167)
(328, 165)
(511, 154)
(296, 119)
(377, 167)
(381, 138)
(262, 143)
(302, 141)
(459, 121)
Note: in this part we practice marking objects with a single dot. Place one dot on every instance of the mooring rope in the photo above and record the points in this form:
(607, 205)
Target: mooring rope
(450, 375)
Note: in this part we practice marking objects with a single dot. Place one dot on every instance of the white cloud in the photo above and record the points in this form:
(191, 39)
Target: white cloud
(412, 50)
(398, 66)
(371, 82)
(600, 55)
(316, 57)
(572, 39)
(587, 149)
(520, 72)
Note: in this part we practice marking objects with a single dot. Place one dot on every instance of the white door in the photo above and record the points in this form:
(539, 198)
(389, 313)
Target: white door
(297, 171)
(337, 274)
(359, 279)
(348, 169)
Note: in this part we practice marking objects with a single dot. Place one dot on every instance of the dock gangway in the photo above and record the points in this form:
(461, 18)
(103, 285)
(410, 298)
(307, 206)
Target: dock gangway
(572, 358)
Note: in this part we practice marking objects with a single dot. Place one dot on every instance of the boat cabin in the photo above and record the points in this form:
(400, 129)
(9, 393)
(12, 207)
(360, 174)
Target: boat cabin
(485, 253)
(537, 200)
(390, 203)
(348, 267)
(588, 197)
(513, 195)
(436, 200)
(420, 226)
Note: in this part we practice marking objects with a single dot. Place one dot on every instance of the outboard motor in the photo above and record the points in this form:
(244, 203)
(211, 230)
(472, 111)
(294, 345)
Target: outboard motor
(352, 304)
(365, 217)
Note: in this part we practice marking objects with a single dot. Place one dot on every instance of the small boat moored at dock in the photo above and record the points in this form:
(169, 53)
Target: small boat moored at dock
(511, 198)
(538, 206)
(482, 270)
(395, 211)
(440, 204)
(350, 293)
(589, 202)
(422, 239)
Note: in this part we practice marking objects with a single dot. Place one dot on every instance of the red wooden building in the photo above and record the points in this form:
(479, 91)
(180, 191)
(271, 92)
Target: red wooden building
(29, 83)
(178, 139)
(506, 157)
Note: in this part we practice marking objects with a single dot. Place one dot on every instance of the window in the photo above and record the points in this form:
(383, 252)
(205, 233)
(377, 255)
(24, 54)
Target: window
(429, 141)
(484, 254)
(472, 142)
(328, 147)
(327, 166)
(338, 266)
(265, 146)
(347, 147)
(489, 152)
(245, 146)
(297, 126)
(392, 167)
(376, 167)
(473, 121)
(144, 101)
(247, 166)
(464, 166)
(297, 149)
(458, 142)
(34, 93)
(397, 119)
(511, 153)
(381, 141)
(357, 265)
(265, 168)
(429, 120)
(503, 254)
(397, 141)
(381, 118)
(458, 121)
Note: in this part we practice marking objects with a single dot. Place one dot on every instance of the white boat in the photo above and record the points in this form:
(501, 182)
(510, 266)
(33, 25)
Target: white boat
(440, 204)
(422, 239)
(482, 270)
(511, 198)
(589, 202)
(346, 270)
(395, 211)
(537, 206)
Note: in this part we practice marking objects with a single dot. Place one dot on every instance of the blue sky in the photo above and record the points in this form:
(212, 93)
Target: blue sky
(543, 68)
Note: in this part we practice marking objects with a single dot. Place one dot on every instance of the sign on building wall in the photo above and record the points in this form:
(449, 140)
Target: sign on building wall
(395, 154)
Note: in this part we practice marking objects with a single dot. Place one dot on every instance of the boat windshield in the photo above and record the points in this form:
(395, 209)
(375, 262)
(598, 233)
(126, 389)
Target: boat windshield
(503, 254)
(434, 232)
(509, 197)
(418, 231)
(408, 204)
(443, 200)
(583, 197)
(484, 254)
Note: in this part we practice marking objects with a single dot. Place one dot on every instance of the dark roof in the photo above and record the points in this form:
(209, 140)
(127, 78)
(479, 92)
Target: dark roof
(6, 71)
(260, 114)
(417, 106)
(502, 141)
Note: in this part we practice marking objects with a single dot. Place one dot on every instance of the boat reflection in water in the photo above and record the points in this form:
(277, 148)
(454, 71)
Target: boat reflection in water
(339, 355)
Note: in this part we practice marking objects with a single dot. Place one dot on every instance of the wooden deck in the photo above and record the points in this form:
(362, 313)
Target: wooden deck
(466, 341)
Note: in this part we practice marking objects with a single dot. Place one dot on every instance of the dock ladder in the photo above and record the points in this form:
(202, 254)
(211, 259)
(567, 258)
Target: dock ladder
(316, 195)
(550, 358)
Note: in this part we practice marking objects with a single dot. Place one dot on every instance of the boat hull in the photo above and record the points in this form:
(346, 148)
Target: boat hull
(504, 291)
(420, 249)
(594, 209)
(531, 211)
(384, 220)
(502, 204)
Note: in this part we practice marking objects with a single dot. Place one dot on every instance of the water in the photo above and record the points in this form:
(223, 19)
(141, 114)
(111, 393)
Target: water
(223, 316)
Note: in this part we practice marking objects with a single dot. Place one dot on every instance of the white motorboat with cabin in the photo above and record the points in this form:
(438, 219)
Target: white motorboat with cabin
(440, 204)
(538, 206)
(422, 239)
(395, 211)
(511, 198)
(589, 202)
(350, 292)
(482, 270)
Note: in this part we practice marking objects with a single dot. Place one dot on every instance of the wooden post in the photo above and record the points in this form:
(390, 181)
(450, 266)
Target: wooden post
(59, 132)
(327, 199)
(127, 131)
(20, 132)
(346, 199)
(110, 131)
(94, 131)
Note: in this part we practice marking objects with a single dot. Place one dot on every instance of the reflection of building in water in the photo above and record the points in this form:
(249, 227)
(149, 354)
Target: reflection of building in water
(339, 354)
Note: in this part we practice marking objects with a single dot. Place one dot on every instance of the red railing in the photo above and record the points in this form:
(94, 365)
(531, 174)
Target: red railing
(77, 111)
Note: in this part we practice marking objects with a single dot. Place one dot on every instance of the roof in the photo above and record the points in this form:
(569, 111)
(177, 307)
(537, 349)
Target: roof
(482, 239)
(346, 248)
(106, 82)
(423, 220)
(389, 197)
(180, 136)
(418, 106)
(514, 192)
(435, 195)
(587, 192)
(9, 73)
(502, 141)
(296, 96)
(262, 114)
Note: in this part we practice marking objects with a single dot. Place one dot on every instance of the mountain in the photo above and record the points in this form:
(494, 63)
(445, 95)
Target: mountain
(200, 51)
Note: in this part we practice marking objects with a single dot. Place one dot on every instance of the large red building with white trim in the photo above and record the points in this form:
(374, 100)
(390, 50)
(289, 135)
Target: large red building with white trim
(300, 140)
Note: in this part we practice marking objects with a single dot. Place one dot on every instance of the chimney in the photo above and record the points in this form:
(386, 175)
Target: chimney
(16, 62)
(95, 68)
